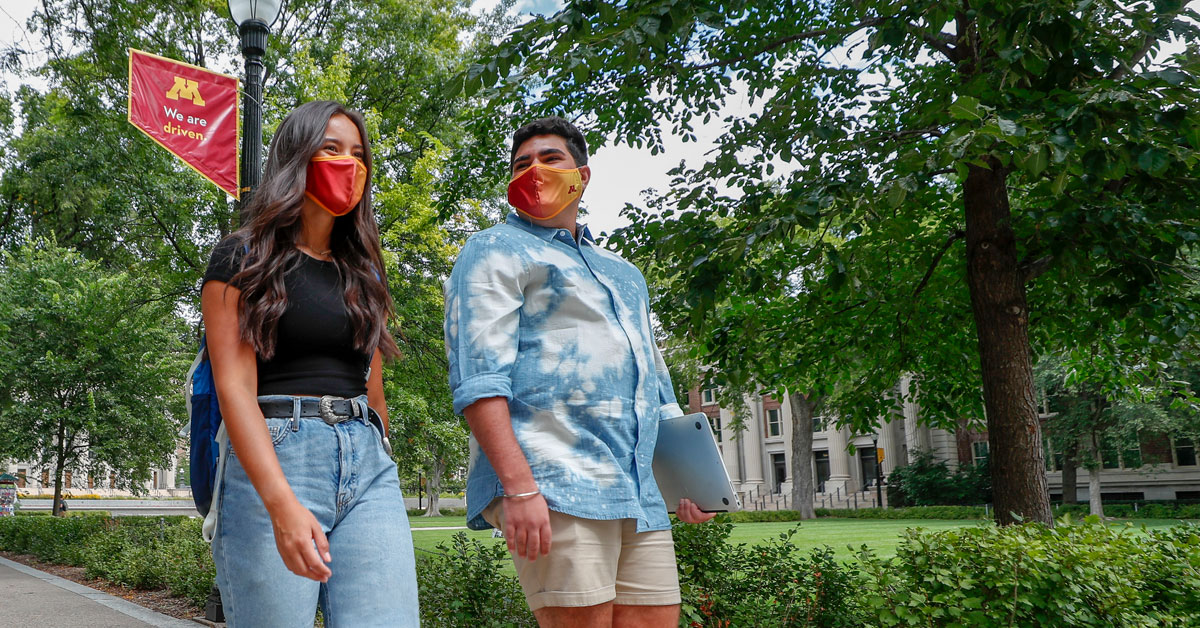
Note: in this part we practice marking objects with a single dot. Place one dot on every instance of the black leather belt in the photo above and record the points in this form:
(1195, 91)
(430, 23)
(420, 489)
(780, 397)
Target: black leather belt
(327, 408)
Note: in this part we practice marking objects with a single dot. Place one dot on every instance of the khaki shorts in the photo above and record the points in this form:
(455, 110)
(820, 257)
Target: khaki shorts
(596, 561)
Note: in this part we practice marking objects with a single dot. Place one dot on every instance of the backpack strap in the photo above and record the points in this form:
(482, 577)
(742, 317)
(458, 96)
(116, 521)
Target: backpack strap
(201, 356)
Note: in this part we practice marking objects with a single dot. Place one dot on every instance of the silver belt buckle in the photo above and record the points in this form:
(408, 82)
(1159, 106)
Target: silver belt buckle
(325, 408)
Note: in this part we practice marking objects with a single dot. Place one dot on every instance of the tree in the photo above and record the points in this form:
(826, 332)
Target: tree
(90, 366)
(894, 175)
(131, 203)
(121, 199)
(1103, 401)
(430, 441)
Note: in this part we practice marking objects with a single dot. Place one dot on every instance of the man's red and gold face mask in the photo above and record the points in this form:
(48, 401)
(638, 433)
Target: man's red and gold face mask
(541, 192)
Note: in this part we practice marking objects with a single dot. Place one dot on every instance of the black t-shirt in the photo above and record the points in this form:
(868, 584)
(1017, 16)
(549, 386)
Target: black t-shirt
(314, 348)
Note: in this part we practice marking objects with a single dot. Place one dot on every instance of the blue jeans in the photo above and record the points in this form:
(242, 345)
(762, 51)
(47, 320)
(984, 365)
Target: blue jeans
(343, 475)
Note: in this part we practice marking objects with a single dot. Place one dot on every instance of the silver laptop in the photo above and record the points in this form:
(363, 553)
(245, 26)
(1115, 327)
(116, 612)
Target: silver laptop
(688, 464)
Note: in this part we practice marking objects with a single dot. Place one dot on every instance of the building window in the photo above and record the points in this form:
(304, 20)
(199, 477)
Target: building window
(818, 424)
(715, 423)
(1132, 458)
(821, 467)
(774, 424)
(708, 396)
(67, 480)
(1053, 459)
(1185, 453)
(779, 466)
(91, 481)
(979, 451)
(46, 477)
(21, 473)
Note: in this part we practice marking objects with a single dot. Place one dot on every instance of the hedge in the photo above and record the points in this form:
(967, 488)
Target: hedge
(1074, 574)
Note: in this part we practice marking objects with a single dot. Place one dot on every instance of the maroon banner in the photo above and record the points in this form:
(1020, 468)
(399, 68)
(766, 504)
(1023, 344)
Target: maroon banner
(190, 111)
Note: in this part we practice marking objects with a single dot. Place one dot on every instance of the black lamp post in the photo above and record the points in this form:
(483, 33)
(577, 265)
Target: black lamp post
(878, 473)
(254, 19)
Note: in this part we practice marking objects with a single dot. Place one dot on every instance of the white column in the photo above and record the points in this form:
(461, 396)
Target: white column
(918, 436)
(839, 462)
(754, 447)
(890, 445)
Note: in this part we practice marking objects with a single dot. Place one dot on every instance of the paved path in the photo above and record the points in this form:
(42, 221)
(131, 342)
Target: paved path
(30, 598)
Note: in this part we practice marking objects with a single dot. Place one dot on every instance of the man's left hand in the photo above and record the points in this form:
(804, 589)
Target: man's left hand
(689, 512)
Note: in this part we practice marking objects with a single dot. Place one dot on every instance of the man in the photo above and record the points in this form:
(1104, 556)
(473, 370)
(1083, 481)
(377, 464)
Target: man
(554, 365)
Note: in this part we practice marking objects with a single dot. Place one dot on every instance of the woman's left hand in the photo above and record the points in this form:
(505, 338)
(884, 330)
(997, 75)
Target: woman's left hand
(689, 512)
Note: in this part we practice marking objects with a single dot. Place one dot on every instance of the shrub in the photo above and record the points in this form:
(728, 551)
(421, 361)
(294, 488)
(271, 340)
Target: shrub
(463, 586)
(50, 539)
(136, 551)
(758, 516)
(1087, 574)
(929, 482)
(445, 512)
(1135, 510)
(915, 512)
(193, 572)
(768, 584)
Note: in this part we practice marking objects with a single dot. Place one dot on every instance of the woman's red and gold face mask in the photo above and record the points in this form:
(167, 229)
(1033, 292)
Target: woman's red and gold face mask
(541, 192)
(336, 183)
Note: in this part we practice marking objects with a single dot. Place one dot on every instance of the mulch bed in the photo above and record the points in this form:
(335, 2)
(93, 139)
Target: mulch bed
(161, 600)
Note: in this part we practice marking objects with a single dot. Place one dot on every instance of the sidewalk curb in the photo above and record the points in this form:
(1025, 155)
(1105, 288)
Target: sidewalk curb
(117, 604)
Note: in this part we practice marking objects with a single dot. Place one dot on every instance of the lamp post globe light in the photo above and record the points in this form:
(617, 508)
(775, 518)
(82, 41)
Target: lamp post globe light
(254, 19)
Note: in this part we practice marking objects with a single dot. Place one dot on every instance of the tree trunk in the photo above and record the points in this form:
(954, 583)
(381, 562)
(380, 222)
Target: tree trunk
(1095, 505)
(962, 442)
(1001, 316)
(1070, 476)
(434, 486)
(60, 462)
(803, 409)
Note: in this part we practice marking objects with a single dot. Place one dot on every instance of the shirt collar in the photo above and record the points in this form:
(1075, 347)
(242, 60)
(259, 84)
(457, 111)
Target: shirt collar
(546, 233)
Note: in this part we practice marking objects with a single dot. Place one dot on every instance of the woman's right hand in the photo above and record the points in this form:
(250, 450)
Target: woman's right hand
(299, 538)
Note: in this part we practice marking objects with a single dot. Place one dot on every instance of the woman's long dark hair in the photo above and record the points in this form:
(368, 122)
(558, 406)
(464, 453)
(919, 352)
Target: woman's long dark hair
(273, 224)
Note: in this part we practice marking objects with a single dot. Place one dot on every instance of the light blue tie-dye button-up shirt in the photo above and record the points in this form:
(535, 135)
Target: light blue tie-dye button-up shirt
(561, 328)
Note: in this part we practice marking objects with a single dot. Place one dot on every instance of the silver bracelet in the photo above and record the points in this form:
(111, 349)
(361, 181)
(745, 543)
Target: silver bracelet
(518, 495)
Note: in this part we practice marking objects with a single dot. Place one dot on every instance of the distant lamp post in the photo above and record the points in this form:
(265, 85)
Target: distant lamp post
(878, 472)
(254, 19)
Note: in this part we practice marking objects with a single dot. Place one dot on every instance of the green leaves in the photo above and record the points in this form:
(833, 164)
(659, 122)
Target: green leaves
(96, 359)
(1154, 160)
(966, 108)
(1036, 160)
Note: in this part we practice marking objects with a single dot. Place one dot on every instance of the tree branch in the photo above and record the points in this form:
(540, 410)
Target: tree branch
(171, 238)
(938, 41)
(1152, 37)
(1032, 269)
(957, 235)
(867, 23)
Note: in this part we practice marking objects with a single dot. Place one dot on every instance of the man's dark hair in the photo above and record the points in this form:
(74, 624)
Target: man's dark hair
(552, 125)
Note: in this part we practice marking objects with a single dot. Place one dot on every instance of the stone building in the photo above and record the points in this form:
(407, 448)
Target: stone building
(759, 459)
(37, 480)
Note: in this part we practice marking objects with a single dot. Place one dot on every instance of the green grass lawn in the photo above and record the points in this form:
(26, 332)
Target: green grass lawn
(881, 535)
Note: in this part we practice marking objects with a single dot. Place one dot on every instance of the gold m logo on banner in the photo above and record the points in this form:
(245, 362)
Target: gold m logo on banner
(187, 90)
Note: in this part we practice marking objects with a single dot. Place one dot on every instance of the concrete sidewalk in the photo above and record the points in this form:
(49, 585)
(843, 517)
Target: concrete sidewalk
(32, 598)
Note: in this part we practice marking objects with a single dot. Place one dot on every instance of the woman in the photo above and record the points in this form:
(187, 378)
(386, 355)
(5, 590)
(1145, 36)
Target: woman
(295, 307)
